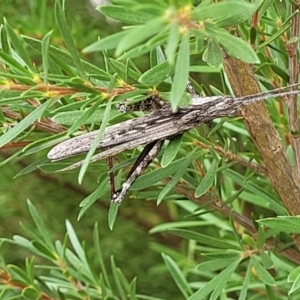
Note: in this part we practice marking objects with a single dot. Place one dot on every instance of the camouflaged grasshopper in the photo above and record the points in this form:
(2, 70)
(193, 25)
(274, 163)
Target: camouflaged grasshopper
(152, 129)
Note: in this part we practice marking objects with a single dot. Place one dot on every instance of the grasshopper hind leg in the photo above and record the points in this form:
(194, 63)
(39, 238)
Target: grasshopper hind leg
(146, 157)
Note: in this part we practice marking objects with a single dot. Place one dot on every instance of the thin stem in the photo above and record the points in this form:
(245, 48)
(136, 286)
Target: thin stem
(54, 91)
(111, 176)
(292, 99)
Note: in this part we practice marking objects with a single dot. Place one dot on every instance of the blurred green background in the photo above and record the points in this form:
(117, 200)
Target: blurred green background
(57, 197)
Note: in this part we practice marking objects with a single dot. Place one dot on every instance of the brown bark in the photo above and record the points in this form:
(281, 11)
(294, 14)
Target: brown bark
(264, 135)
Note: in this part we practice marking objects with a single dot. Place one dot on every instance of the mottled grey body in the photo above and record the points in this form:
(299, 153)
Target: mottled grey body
(157, 126)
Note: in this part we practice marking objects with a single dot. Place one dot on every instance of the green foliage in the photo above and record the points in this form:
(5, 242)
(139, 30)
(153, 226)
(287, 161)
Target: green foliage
(208, 246)
(66, 274)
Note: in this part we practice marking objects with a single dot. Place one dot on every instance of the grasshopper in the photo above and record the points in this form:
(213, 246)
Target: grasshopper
(152, 129)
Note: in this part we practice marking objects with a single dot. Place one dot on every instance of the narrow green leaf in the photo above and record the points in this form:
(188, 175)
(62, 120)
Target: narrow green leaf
(214, 56)
(18, 44)
(157, 175)
(221, 254)
(43, 143)
(44, 250)
(69, 117)
(236, 234)
(4, 41)
(157, 74)
(117, 281)
(123, 281)
(253, 35)
(123, 164)
(262, 273)
(160, 55)
(181, 170)
(32, 167)
(75, 242)
(171, 150)
(280, 71)
(216, 284)
(73, 259)
(262, 197)
(271, 292)
(266, 260)
(261, 238)
(178, 276)
(234, 196)
(282, 223)
(45, 55)
(112, 215)
(154, 55)
(181, 71)
(65, 31)
(22, 125)
(29, 267)
(15, 65)
(100, 255)
(107, 43)
(132, 292)
(293, 275)
(121, 67)
(204, 69)
(40, 225)
(181, 224)
(144, 48)
(263, 8)
(66, 67)
(125, 14)
(113, 79)
(149, 179)
(56, 53)
(216, 264)
(205, 239)
(295, 286)
(227, 13)
(99, 136)
(246, 282)
(103, 288)
(19, 240)
(249, 240)
(92, 198)
(29, 93)
(277, 34)
(234, 46)
(18, 274)
(139, 34)
(85, 116)
(2, 117)
(208, 179)
(172, 42)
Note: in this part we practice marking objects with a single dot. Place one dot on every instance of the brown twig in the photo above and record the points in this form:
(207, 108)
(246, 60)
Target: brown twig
(265, 136)
(292, 50)
(53, 90)
(46, 124)
(233, 157)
